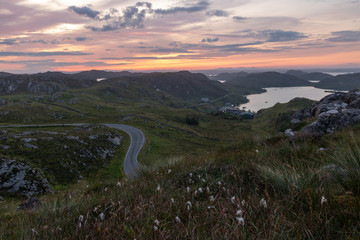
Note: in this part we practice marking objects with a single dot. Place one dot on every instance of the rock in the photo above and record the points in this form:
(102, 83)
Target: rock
(289, 133)
(93, 137)
(5, 147)
(28, 145)
(2, 102)
(115, 140)
(72, 137)
(333, 112)
(19, 178)
(46, 138)
(3, 138)
(29, 204)
(29, 140)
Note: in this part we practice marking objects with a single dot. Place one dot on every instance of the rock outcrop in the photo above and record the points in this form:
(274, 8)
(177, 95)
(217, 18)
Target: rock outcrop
(332, 112)
(18, 178)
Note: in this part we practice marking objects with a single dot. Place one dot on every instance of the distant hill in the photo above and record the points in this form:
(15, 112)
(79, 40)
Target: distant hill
(184, 85)
(229, 76)
(96, 74)
(268, 79)
(344, 82)
(308, 76)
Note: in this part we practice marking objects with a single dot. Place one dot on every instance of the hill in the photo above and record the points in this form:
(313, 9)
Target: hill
(268, 79)
(344, 82)
(308, 76)
(229, 76)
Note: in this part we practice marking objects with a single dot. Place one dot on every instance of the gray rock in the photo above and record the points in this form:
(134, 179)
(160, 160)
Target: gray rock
(19, 178)
(28, 145)
(289, 133)
(29, 204)
(2, 102)
(115, 140)
(72, 137)
(29, 140)
(93, 137)
(5, 147)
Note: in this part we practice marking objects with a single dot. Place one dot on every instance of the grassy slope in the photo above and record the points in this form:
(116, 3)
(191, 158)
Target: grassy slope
(246, 164)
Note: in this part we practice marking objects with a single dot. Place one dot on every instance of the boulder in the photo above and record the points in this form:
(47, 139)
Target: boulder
(115, 140)
(29, 204)
(18, 178)
(28, 145)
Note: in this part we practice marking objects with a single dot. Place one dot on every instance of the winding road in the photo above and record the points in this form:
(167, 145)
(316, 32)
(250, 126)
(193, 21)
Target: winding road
(137, 141)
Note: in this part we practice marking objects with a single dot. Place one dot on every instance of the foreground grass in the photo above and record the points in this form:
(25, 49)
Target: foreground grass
(258, 188)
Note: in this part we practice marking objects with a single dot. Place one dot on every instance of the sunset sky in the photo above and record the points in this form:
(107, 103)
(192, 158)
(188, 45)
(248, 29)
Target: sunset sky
(69, 35)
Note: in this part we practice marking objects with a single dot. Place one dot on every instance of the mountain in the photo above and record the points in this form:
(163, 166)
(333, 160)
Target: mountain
(309, 76)
(268, 79)
(344, 82)
(229, 76)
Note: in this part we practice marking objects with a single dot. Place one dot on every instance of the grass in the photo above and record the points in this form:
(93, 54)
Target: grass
(293, 191)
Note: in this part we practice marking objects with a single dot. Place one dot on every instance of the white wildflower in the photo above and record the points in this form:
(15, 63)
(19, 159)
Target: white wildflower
(118, 184)
(199, 176)
(102, 216)
(105, 189)
(190, 174)
(240, 220)
(203, 180)
(208, 190)
(263, 203)
(157, 222)
(187, 189)
(200, 190)
(243, 203)
(257, 151)
(219, 183)
(195, 193)
(323, 200)
(95, 209)
(239, 212)
(224, 189)
(211, 207)
(155, 228)
(211, 198)
(34, 231)
(81, 218)
(177, 219)
(158, 188)
(233, 200)
(172, 200)
(188, 205)
(169, 171)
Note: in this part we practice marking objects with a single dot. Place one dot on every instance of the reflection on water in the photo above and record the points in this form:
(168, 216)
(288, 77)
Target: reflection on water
(281, 95)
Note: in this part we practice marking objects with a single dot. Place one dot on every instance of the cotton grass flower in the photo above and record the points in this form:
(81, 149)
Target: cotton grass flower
(172, 200)
(118, 184)
(263, 203)
(177, 219)
(239, 212)
(240, 220)
(157, 222)
(158, 188)
(34, 231)
(188, 205)
(169, 171)
(190, 174)
(200, 190)
(102, 216)
(187, 189)
(233, 200)
(208, 190)
(156, 228)
(243, 203)
(211, 207)
(211, 198)
(323, 200)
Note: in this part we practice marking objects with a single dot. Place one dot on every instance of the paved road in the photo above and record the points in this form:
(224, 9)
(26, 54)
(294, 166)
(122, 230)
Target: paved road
(137, 137)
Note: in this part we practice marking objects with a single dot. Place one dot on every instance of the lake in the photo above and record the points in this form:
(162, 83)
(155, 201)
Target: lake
(282, 95)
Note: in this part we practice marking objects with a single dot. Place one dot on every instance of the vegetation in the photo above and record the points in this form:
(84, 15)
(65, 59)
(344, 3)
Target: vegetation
(221, 178)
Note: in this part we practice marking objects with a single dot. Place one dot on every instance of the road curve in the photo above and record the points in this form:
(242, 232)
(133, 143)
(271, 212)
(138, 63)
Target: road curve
(137, 141)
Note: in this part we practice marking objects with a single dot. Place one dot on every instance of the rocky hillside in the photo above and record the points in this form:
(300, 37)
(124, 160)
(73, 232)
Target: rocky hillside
(33, 161)
(333, 112)
(344, 82)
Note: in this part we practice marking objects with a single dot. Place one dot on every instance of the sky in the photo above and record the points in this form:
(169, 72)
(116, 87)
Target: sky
(157, 35)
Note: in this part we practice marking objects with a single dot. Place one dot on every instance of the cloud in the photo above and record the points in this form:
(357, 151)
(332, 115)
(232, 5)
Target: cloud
(53, 63)
(210, 40)
(85, 11)
(239, 19)
(81, 39)
(42, 54)
(8, 42)
(169, 50)
(281, 36)
(199, 6)
(345, 36)
(217, 13)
